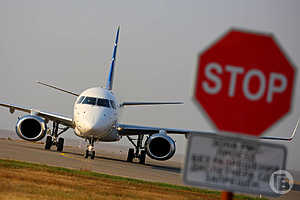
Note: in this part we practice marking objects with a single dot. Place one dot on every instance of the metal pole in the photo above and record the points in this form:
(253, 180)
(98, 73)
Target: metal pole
(225, 195)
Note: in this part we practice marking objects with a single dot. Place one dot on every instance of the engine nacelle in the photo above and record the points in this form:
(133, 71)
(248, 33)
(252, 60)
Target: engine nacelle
(31, 128)
(160, 146)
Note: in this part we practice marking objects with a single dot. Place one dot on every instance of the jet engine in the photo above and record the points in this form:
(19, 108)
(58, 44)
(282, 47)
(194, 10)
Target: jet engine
(31, 128)
(160, 146)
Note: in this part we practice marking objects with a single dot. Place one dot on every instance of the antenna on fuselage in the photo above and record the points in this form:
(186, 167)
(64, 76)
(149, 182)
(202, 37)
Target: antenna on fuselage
(109, 82)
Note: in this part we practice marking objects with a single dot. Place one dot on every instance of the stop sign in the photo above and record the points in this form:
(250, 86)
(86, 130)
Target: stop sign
(244, 82)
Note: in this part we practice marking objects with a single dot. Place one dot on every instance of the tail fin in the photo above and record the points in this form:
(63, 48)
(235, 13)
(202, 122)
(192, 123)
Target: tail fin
(109, 82)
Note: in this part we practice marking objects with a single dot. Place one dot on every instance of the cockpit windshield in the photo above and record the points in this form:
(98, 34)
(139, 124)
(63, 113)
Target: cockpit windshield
(89, 100)
(103, 102)
(97, 101)
(112, 103)
(80, 99)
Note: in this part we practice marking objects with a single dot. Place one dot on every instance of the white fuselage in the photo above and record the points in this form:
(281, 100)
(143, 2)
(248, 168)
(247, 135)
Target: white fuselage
(96, 115)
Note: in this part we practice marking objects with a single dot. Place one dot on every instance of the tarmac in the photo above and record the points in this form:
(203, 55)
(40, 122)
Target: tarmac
(110, 159)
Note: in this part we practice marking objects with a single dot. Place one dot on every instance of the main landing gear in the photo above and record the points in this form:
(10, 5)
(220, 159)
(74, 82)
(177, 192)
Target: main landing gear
(140, 154)
(90, 151)
(53, 138)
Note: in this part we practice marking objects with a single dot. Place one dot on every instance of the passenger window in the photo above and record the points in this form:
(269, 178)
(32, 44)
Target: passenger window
(112, 103)
(80, 99)
(103, 102)
(89, 100)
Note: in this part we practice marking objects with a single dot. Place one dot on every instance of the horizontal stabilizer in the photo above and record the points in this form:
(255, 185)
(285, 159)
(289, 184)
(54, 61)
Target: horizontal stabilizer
(283, 138)
(56, 88)
(147, 103)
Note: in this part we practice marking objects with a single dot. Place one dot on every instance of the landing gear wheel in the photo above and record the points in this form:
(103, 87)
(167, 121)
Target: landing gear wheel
(60, 144)
(130, 155)
(139, 151)
(93, 155)
(86, 155)
(143, 157)
(52, 138)
(48, 142)
(90, 150)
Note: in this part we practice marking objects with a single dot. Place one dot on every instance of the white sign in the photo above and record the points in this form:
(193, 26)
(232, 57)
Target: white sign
(233, 164)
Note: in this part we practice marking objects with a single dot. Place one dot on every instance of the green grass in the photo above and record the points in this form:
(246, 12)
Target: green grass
(93, 175)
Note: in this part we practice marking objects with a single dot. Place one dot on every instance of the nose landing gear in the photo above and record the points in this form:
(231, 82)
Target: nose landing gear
(90, 151)
(52, 138)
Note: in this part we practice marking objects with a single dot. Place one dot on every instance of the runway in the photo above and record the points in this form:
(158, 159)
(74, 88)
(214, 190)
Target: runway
(104, 162)
(108, 160)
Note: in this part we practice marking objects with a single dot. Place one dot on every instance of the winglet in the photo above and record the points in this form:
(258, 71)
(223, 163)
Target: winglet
(281, 138)
(295, 130)
(109, 82)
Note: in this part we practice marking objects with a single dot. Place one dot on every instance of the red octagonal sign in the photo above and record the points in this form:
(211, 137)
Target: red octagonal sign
(244, 82)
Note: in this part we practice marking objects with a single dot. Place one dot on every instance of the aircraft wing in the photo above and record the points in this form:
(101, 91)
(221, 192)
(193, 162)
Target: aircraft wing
(47, 115)
(148, 103)
(129, 130)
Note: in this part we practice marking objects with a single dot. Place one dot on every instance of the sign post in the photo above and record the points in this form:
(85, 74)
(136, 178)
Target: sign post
(244, 84)
(226, 195)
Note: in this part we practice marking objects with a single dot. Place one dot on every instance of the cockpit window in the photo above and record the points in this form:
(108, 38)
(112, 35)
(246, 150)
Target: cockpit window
(89, 100)
(103, 102)
(112, 103)
(80, 99)
(97, 101)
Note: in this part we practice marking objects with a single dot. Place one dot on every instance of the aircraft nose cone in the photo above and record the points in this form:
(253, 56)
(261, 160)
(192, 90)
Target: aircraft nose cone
(98, 123)
(96, 126)
(89, 126)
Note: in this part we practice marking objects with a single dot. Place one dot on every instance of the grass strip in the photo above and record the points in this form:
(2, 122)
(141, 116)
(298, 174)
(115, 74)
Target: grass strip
(84, 173)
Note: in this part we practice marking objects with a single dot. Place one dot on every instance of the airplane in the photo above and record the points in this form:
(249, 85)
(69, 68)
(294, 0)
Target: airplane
(95, 119)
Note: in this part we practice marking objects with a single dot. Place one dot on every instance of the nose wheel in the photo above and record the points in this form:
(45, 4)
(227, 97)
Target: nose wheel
(52, 138)
(90, 151)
